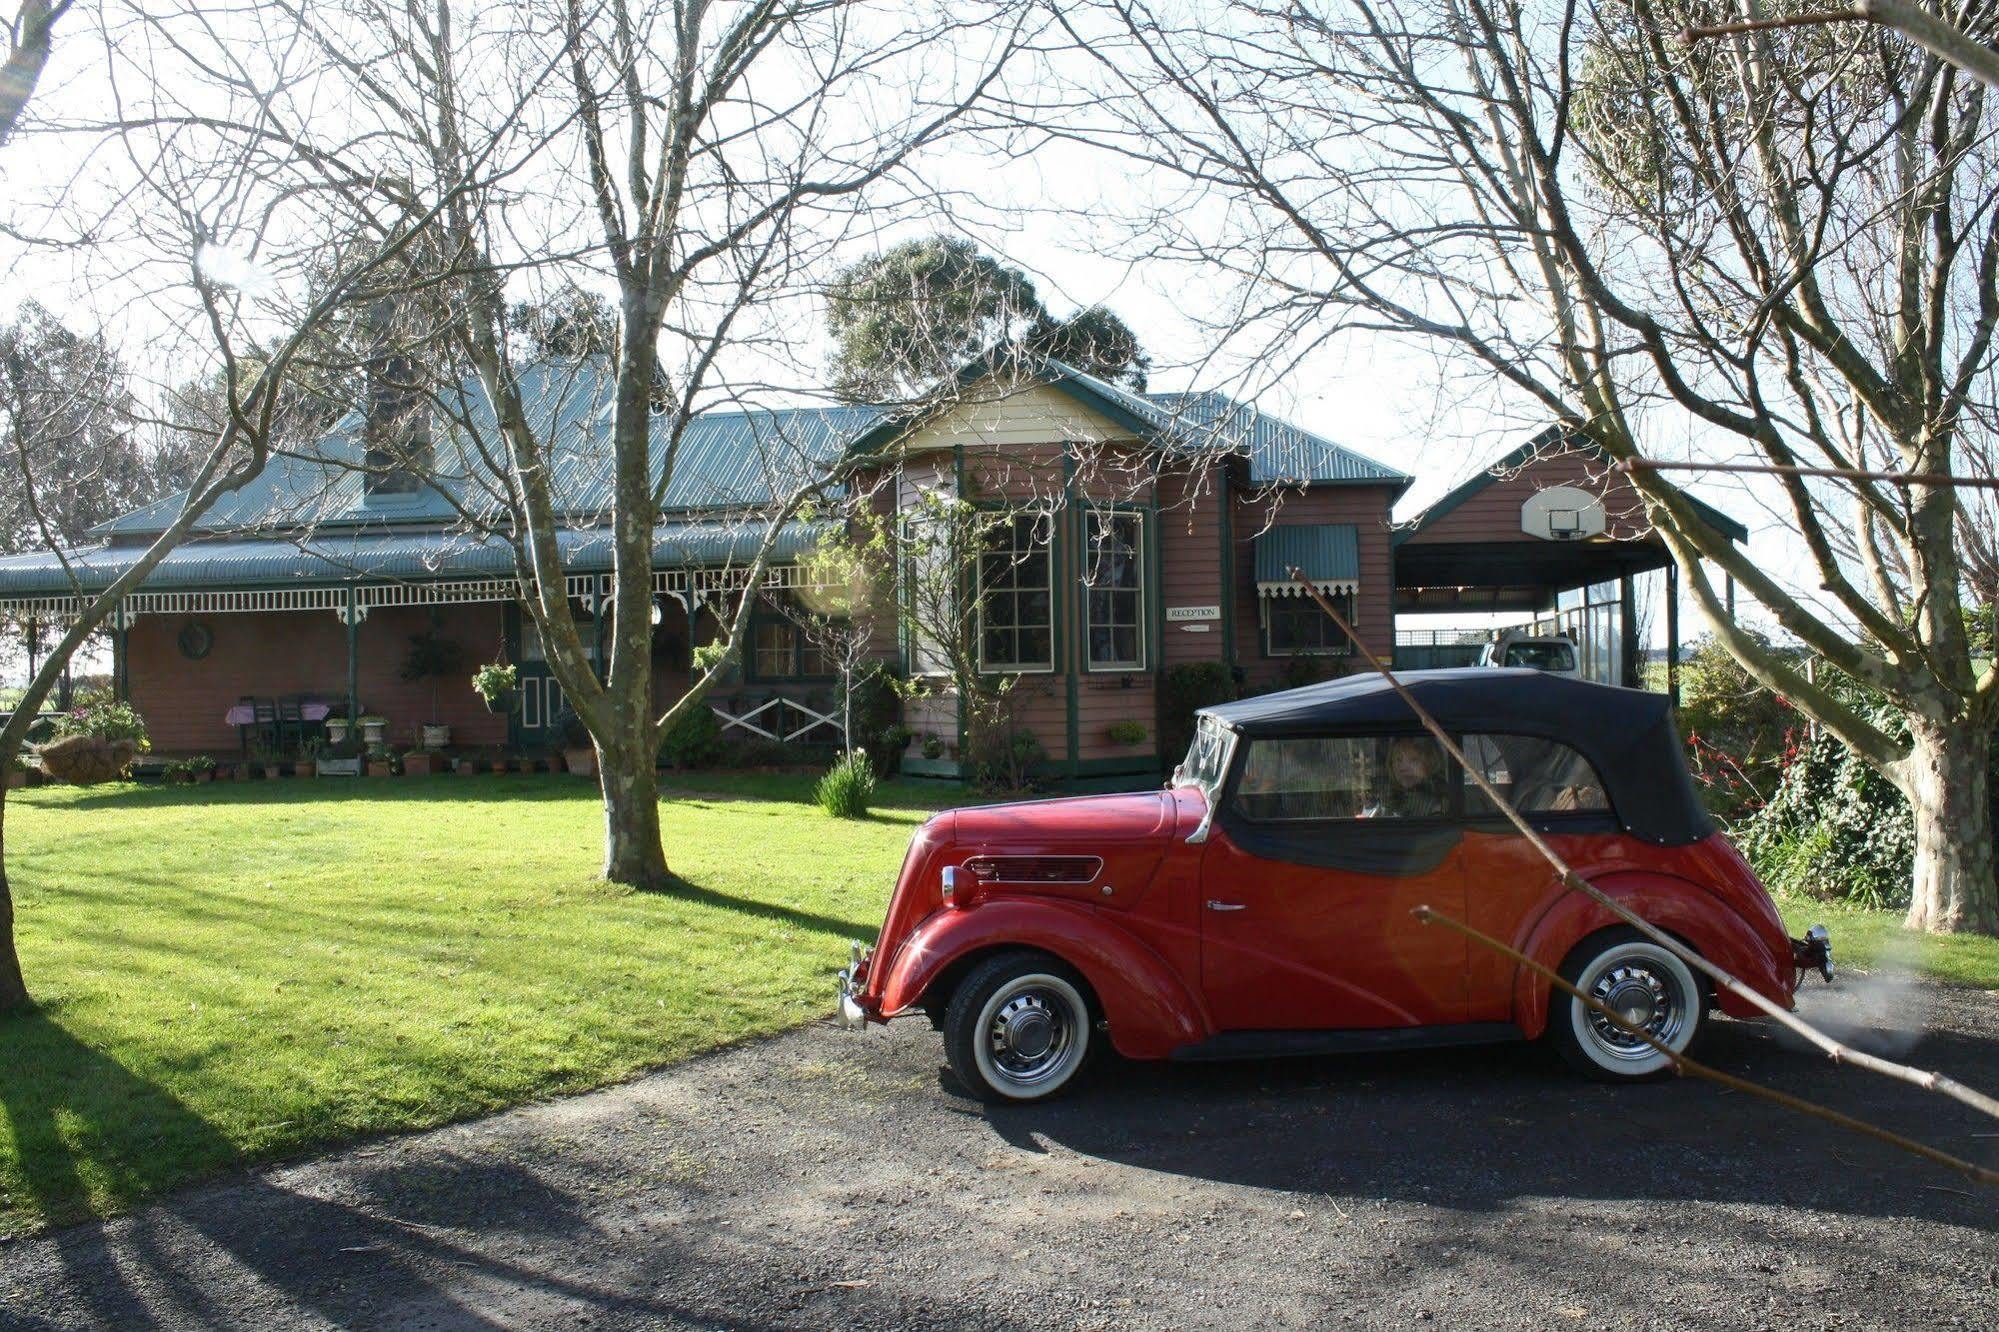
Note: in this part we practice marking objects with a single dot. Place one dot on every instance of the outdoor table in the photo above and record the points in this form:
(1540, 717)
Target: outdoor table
(245, 714)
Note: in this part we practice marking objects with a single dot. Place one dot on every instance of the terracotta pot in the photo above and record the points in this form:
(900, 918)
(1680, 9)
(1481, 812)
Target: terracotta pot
(466, 767)
(582, 762)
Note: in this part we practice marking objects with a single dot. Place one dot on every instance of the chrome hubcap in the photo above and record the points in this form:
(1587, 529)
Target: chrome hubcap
(1646, 999)
(1029, 1035)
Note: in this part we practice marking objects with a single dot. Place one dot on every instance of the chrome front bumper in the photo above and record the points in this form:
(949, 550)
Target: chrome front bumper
(851, 1015)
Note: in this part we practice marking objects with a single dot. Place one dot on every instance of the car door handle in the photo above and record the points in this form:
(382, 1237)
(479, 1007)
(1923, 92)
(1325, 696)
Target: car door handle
(1213, 905)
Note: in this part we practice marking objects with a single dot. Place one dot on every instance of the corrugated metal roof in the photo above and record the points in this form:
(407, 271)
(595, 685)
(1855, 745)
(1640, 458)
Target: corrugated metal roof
(342, 557)
(722, 460)
(1326, 553)
(1277, 450)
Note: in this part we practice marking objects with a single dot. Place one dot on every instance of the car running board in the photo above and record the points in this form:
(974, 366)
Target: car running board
(1282, 1044)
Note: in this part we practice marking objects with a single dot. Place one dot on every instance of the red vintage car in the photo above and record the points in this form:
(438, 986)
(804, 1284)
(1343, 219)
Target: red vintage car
(1262, 903)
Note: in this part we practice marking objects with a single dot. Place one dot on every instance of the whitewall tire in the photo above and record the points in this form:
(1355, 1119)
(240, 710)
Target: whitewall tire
(1018, 1028)
(1645, 984)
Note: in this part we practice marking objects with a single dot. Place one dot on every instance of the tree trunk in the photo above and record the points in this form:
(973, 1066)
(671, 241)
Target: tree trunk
(633, 852)
(1948, 782)
(13, 989)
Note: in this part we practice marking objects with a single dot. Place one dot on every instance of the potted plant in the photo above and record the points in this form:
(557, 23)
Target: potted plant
(431, 658)
(95, 743)
(336, 726)
(579, 752)
(339, 760)
(1126, 732)
(422, 762)
(495, 683)
(374, 731)
(381, 761)
(466, 767)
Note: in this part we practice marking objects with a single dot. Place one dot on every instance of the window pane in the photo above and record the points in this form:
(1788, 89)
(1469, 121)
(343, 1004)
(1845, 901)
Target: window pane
(1344, 777)
(1296, 624)
(1113, 574)
(1016, 611)
(1536, 776)
(774, 649)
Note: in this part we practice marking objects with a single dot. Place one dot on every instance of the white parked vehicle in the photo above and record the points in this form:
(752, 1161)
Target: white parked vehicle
(1555, 655)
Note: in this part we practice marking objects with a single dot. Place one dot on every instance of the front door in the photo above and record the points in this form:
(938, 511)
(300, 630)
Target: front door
(538, 710)
(1323, 848)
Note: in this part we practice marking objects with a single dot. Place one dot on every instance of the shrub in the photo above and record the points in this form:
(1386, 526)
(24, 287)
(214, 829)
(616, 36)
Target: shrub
(848, 787)
(107, 720)
(1126, 732)
(695, 740)
(877, 720)
(1835, 828)
(1737, 732)
(1189, 687)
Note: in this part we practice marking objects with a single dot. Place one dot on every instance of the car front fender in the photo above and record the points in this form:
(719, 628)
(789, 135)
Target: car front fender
(1704, 922)
(1150, 1010)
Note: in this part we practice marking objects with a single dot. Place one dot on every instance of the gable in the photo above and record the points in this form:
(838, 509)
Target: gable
(1032, 413)
(1489, 506)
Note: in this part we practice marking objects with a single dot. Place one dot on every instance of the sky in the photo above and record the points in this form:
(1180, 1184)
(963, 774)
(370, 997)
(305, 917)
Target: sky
(1055, 210)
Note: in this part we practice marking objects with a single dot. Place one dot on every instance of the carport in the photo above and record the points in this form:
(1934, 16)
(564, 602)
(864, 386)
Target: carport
(1551, 530)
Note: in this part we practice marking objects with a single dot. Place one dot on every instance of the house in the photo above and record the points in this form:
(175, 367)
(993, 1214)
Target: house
(1143, 532)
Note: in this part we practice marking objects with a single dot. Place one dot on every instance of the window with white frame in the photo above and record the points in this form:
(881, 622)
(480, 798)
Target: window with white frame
(1017, 595)
(1114, 591)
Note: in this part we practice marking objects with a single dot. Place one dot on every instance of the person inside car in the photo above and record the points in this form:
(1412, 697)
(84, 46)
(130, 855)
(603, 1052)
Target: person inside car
(1414, 785)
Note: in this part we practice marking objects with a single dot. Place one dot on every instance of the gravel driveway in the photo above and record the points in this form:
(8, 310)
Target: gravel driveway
(830, 1180)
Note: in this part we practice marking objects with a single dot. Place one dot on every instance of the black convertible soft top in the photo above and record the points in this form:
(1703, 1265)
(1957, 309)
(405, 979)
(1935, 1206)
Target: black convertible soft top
(1628, 734)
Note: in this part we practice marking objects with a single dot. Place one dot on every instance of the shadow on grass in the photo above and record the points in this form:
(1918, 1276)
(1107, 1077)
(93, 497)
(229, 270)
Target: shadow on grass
(688, 891)
(87, 1133)
(90, 1134)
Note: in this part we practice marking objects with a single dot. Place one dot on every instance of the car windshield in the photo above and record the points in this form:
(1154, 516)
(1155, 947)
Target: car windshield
(1542, 656)
(1207, 757)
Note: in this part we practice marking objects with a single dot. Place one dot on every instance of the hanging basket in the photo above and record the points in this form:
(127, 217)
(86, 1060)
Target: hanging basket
(500, 702)
(85, 760)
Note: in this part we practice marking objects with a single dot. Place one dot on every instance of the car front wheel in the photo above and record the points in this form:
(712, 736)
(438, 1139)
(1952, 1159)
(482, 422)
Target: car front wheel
(1647, 986)
(1017, 1028)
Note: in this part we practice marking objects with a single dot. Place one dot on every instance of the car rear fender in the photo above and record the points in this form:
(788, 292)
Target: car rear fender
(1150, 1010)
(1697, 918)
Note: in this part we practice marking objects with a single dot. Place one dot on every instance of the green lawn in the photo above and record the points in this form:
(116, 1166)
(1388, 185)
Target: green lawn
(229, 972)
(245, 971)
(1871, 940)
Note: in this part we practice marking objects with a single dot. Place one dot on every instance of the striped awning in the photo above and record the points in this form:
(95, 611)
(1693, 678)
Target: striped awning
(1327, 553)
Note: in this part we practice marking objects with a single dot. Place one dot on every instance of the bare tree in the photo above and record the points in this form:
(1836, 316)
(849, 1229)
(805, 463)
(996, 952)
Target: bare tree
(1782, 242)
(201, 179)
(30, 39)
(698, 165)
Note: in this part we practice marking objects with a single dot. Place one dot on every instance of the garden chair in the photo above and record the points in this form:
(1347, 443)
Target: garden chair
(267, 722)
(291, 723)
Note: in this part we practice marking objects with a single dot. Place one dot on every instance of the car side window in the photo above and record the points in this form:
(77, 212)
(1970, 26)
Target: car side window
(1536, 776)
(1301, 778)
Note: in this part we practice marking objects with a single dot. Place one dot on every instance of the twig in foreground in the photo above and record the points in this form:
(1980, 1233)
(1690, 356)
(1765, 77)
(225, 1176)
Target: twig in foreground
(1836, 1051)
(1971, 1170)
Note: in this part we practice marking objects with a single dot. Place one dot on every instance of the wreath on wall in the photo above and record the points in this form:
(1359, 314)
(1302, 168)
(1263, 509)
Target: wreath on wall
(195, 640)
